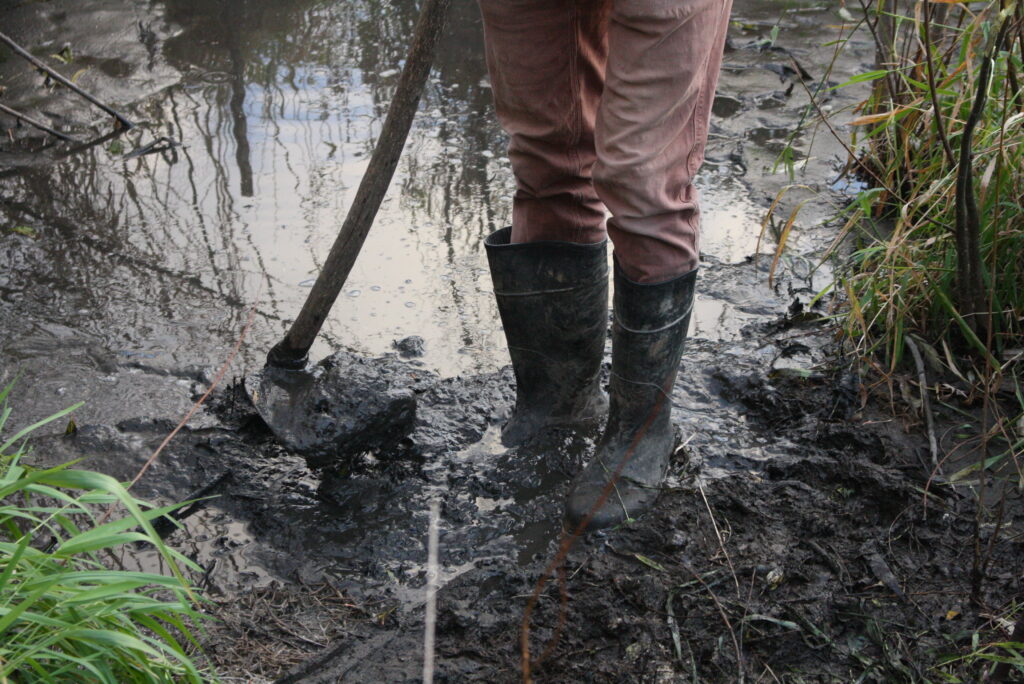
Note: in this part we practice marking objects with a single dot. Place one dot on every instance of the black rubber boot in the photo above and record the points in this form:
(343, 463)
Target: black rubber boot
(553, 301)
(648, 333)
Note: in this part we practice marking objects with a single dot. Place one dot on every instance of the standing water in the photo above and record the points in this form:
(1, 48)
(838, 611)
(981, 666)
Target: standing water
(273, 107)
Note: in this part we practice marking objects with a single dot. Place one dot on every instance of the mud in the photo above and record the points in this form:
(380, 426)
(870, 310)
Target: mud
(816, 556)
(794, 528)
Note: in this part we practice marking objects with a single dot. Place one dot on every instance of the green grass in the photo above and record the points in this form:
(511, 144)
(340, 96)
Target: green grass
(906, 275)
(65, 615)
(938, 233)
(989, 652)
(933, 246)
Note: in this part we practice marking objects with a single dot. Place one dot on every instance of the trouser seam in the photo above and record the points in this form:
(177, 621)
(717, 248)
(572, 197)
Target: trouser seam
(576, 116)
(702, 106)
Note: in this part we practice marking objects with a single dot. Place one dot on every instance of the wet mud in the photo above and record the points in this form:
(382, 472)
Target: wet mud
(794, 538)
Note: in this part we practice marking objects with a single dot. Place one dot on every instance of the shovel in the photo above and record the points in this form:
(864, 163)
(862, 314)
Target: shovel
(309, 408)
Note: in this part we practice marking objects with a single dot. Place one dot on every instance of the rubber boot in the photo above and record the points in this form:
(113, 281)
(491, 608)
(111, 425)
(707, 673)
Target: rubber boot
(553, 301)
(648, 332)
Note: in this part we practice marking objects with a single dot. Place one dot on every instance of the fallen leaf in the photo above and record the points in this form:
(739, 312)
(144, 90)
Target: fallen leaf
(65, 55)
(649, 563)
(27, 231)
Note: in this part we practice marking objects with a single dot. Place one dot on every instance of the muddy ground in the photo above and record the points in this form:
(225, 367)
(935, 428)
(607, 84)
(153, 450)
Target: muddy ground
(802, 536)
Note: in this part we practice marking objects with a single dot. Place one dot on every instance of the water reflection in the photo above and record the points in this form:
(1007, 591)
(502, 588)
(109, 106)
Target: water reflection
(159, 256)
(149, 264)
(277, 110)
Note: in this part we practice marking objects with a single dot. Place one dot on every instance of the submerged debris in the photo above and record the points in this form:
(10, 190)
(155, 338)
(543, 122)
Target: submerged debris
(410, 347)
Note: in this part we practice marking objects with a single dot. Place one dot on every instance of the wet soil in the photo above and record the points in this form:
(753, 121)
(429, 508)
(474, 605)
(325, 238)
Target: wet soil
(818, 561)
(795, 540)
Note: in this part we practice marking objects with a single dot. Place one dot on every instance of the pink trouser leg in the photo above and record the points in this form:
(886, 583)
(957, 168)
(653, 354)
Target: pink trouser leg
(546, 61)
(634, 141)
(663, 62)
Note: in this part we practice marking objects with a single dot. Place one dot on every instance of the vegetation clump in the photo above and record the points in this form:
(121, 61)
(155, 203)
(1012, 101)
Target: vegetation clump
(65, 615)
(933, 282)
(940, 144)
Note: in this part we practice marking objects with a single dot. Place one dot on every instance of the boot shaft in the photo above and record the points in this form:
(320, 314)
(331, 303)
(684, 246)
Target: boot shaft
(553, 302)
(648, 332)
(633, 455)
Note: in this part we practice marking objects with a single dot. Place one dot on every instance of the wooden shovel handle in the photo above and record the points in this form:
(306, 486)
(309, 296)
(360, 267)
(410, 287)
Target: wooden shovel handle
(292, 351)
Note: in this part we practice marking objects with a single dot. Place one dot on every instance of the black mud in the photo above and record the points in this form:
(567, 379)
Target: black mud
(794, 528)
(818, 556)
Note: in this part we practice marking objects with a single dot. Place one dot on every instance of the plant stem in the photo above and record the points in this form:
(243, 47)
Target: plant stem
(970, 286)
(36, 124)
(932, 90)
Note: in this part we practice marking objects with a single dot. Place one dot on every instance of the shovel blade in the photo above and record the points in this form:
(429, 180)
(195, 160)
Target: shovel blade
(333, 412)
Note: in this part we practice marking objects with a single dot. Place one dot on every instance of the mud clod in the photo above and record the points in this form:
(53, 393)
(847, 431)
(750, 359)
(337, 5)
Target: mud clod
(410, 347)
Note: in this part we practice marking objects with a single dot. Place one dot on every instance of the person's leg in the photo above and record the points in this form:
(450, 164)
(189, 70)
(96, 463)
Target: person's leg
(663, 63)
(546, 62)
(652, 126)
(550, 269)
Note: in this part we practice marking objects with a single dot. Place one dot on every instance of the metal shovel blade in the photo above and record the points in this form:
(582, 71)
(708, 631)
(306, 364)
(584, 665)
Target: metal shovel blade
(334, 411)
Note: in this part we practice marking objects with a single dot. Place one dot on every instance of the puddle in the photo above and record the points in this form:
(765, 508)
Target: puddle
(162, 254)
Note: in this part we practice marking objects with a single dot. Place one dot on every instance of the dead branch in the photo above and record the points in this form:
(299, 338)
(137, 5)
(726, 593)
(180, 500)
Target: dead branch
(967, 232)
(25, 54)
(34, 123)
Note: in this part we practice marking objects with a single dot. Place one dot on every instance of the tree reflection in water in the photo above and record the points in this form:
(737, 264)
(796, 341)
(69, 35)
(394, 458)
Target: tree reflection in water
(277, 109)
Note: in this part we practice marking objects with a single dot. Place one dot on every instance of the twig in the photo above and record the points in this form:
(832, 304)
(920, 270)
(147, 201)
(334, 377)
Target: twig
(195, 407)
(832, 562)
(725, 619)
(922, 380)
(563, 614)
(22, 52)
(718, 534)
(769, 670)
(842, 141)
(430, 621)
(202, 399)
(853, 156)
(37, 124)
(1000, 513)
(568, 540)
